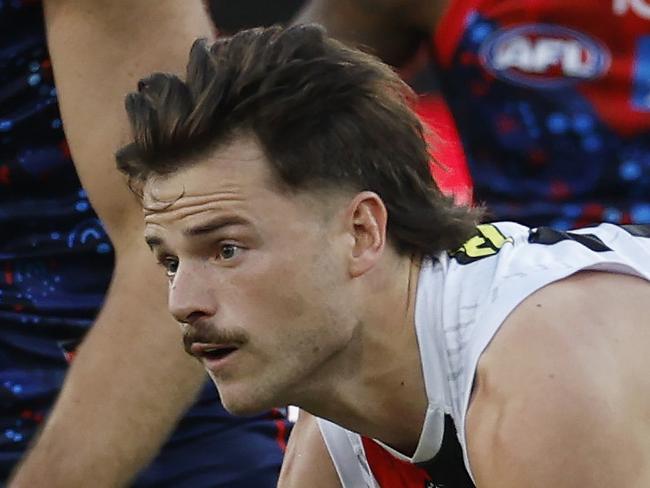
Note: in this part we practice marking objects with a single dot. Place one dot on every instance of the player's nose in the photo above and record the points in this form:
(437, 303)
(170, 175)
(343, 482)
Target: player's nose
(191, 294)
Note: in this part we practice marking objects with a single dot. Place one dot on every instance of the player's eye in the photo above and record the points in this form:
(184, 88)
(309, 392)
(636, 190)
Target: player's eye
(228, 251)
(171, 266)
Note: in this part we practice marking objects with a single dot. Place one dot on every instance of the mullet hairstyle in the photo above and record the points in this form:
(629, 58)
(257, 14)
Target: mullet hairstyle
(325, 115)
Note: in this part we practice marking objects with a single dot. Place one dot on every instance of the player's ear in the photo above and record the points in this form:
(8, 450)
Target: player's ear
(367, 219)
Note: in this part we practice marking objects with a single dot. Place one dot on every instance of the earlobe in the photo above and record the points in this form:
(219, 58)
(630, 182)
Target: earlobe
(368, 220)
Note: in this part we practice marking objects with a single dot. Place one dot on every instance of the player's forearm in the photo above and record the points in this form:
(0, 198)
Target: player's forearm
(99, 50)
(126, 388)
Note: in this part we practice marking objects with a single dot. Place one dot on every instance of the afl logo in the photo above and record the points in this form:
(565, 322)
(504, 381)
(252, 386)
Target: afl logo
(544, 56)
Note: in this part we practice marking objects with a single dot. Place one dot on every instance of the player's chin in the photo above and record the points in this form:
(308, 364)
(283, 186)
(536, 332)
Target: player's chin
(245, 403)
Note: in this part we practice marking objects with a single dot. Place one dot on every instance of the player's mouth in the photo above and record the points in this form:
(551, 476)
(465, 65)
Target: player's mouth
(212, 355)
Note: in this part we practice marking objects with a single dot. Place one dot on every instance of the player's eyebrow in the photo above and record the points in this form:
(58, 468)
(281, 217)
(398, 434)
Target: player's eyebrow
(213, 225)
(208, 227)
(153, 241)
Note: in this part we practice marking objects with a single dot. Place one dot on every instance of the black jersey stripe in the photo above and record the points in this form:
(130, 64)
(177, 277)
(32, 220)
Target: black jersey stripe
(548, 236)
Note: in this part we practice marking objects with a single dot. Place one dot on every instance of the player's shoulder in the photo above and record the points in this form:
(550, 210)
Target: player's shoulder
(551, 378)
(568, 322)
(510, 249)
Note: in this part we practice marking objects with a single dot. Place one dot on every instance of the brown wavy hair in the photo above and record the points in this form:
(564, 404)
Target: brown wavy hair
(325, 116)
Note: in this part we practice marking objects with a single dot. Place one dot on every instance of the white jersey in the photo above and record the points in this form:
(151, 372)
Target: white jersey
(462, 299)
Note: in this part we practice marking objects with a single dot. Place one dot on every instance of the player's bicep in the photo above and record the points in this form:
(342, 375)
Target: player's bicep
(307, 461)
(565, 446)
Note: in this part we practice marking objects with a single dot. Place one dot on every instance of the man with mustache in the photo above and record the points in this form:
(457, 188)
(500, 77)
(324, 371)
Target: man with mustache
(313, 261)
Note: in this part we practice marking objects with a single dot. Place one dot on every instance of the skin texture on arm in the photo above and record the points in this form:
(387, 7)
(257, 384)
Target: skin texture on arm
(562, 392)
(130, 380)
(390, 29)
(307, 461)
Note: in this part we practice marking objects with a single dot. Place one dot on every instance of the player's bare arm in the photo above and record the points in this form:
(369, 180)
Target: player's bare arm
(391, 29)
(307, 461)
(560, 391)
(130, 380)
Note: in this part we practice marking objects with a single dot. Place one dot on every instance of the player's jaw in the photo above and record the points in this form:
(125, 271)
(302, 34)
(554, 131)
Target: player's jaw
(255, 371)
(250, 382)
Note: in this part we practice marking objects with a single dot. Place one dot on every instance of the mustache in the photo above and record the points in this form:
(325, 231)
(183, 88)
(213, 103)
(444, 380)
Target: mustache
(206, 333)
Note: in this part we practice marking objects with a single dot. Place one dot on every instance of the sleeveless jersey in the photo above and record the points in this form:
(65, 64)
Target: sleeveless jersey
(462, 299)
(552, 102)
(55, 265)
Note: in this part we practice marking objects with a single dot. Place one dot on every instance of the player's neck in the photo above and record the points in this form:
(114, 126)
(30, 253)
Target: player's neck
(384, 396)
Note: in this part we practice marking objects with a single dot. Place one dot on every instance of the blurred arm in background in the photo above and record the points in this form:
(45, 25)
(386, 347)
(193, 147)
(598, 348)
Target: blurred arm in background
(130, 380)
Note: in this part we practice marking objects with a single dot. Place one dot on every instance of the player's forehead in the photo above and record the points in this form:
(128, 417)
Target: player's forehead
(235, 182)
(241, 162)
(234, 174)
